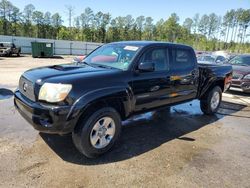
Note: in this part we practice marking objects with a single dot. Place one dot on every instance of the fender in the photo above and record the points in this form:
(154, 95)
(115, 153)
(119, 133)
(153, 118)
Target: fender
(121, 92)
(204, 87)
(209, 77)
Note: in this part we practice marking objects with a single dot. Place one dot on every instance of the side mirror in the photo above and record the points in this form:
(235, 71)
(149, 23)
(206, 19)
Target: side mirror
(146, 67)
(218, 61)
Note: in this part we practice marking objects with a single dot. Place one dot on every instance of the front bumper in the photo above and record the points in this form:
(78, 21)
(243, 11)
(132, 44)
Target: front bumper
(240, 85)
(47, 119)
(4, 53)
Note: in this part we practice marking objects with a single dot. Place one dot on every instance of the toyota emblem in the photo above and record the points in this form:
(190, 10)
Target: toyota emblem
(25, 87)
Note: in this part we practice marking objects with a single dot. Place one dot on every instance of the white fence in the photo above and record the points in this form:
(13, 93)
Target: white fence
(61, 47)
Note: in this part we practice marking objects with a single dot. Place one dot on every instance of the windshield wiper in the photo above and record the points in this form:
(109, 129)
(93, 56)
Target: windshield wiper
(104, 66)
(83, 62)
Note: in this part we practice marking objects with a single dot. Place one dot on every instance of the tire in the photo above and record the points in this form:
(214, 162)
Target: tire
(18, 54)
(210, 102)
(89, 136)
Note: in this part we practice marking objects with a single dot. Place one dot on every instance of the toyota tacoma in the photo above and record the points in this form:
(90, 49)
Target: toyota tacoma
(91, 98)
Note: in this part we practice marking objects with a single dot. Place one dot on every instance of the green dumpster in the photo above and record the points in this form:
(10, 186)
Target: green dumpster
(42, 49)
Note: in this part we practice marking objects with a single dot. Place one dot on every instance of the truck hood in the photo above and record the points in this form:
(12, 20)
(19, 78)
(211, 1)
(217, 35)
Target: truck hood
(241, 69)
(44, 73)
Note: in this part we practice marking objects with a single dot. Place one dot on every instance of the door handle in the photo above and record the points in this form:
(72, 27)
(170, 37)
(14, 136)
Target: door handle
(155, 88)
(194, 72)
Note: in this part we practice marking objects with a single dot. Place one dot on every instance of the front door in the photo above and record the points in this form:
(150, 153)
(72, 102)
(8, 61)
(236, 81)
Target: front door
(152, 89)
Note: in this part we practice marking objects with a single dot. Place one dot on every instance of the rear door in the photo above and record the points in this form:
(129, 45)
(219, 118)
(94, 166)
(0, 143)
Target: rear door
(184, 74)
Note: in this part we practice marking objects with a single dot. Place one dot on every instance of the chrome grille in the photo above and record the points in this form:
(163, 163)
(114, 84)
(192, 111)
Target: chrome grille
(237, 76)
(26, 88)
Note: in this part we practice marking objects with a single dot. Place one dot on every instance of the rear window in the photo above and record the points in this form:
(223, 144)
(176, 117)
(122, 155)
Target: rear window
(182, 59)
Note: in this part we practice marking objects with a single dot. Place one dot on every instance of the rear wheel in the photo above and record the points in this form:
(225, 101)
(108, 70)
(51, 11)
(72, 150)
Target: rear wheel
(97, 133)
(210, 103)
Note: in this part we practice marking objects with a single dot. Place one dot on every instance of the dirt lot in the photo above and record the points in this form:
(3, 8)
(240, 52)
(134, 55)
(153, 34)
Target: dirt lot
(183, 148)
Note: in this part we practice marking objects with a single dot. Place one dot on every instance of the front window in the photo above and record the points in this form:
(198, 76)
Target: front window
(118, 56)
(240, 60)
(158, 56)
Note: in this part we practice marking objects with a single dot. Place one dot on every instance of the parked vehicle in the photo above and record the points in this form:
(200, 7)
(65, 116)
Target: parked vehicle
(114, 82)
(211, 59)
(8, 49)
(241, 73)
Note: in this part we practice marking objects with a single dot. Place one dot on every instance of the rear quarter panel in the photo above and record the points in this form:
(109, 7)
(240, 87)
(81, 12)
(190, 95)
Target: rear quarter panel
(212, 74)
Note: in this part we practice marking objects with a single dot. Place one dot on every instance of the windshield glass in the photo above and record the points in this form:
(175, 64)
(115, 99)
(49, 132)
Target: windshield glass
(117, 56)
(5, 45)
(240, 60)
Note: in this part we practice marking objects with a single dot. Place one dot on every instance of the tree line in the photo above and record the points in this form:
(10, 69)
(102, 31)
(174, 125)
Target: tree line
(204, 32)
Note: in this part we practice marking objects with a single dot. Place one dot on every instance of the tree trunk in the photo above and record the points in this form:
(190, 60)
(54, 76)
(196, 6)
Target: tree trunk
(227, 33)
(244, 33)
(235, 33)
(232, 32)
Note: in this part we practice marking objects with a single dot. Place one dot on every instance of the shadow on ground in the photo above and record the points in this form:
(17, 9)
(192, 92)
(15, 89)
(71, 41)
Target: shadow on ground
(53, 57)
(142, 133)
(238, 93)
(13, 56)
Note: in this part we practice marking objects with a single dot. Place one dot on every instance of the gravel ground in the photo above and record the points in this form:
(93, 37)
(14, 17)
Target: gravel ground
(181, 148)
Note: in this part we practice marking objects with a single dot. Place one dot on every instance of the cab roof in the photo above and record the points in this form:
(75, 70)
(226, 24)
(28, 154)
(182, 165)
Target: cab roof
(150, 43)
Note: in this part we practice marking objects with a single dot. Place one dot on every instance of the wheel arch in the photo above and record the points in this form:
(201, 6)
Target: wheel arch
(118, 98)
(219, 82)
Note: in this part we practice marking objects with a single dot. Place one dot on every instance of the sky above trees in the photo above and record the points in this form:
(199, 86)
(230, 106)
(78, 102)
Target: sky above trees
(156, 9)
(206, 31)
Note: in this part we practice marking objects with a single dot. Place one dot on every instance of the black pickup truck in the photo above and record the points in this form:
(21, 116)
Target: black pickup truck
(91, 98)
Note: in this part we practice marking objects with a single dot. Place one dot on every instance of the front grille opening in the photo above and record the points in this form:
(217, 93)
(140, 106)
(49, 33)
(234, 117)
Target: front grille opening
(26, 88)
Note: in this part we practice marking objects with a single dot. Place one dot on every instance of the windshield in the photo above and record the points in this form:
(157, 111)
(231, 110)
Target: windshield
(117, 56)
(240, 60)
(5, 45)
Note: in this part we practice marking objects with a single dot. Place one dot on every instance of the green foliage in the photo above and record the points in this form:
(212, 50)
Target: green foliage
(203, 32)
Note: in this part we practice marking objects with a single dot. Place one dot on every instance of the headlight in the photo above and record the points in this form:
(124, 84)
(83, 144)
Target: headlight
(247, 77)
(54, 92)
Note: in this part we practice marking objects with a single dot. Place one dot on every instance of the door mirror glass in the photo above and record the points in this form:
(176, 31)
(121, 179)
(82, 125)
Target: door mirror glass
(218, 61)
(146, 66)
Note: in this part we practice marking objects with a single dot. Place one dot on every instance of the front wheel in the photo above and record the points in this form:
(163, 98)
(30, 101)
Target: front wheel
(210, 102)
(97, 133)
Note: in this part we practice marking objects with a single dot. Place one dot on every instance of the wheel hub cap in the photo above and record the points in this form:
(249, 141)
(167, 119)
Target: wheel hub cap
(102, 132)
(215, 100)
